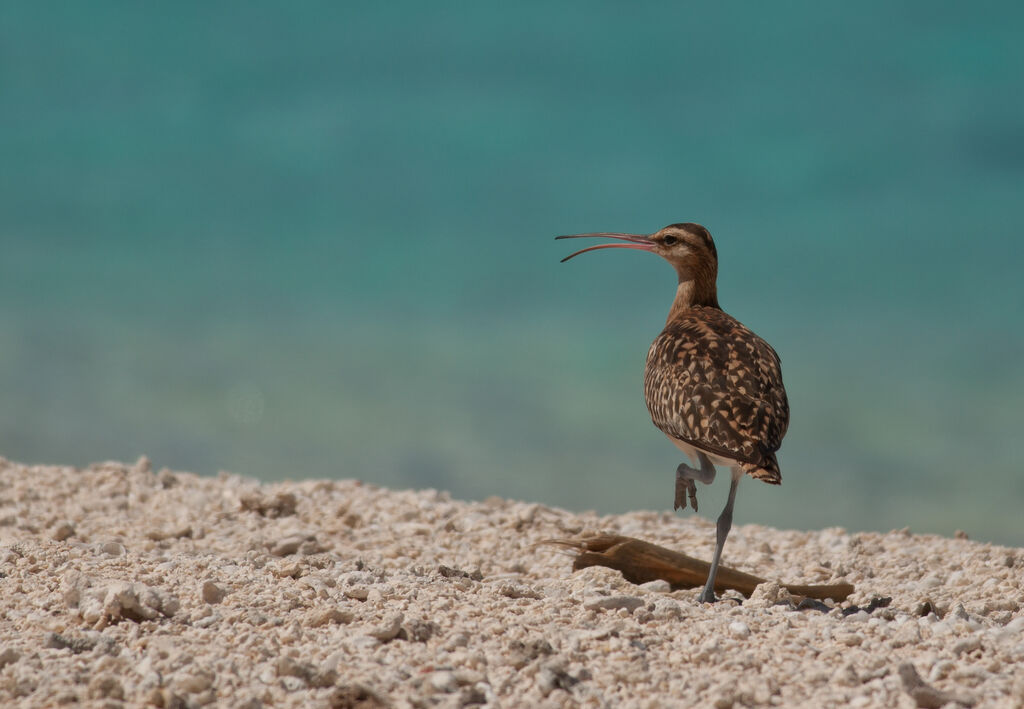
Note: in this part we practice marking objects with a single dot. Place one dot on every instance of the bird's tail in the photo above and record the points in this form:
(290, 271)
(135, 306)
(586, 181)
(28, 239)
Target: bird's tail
(766, 471)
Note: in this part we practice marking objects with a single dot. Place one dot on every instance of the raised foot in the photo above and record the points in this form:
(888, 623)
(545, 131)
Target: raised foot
(685, 486)
(685, 476)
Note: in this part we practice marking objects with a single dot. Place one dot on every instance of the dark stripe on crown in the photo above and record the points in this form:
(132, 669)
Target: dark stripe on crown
(700, 232)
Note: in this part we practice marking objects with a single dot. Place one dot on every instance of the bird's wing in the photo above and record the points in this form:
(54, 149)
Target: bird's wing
(713, 383)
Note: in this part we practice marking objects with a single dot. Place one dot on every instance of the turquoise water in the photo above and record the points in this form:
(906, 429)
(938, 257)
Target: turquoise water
(316, 241)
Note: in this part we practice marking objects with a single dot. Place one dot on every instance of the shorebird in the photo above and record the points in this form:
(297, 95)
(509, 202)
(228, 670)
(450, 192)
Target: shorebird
(711, 385)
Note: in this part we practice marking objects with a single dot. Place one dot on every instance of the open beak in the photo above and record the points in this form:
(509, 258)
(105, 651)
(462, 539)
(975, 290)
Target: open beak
(639, 242)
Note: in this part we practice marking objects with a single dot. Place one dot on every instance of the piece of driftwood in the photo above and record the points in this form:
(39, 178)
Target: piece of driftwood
(641, 561)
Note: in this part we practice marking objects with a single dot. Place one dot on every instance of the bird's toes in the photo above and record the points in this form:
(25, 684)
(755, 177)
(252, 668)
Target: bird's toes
(685, 487)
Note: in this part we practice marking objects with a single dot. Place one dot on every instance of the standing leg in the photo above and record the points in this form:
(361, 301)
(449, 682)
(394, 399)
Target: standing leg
(722, 531)
(685, 475)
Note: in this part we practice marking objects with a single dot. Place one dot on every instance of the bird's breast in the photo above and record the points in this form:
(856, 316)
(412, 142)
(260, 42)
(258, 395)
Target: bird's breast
(711, 383)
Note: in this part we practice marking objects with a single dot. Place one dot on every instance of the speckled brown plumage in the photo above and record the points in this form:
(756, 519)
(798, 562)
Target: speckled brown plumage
(712, 383)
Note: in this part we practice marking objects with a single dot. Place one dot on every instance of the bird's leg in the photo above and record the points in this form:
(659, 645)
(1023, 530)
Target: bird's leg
(684, 485)
(722, 531)
(685, 475)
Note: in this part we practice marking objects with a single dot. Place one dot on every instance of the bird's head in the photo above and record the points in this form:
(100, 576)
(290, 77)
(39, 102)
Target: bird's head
(688, 247)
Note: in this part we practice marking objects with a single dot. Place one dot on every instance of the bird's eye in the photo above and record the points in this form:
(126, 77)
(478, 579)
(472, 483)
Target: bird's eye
(669, 240)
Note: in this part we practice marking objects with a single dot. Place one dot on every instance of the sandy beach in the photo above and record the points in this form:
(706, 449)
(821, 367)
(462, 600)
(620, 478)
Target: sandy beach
(124, 586)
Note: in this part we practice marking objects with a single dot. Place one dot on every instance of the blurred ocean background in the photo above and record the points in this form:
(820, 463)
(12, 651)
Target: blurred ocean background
(315, 240)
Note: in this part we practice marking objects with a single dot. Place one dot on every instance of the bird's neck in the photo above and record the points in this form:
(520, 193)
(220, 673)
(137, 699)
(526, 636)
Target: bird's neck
(692, 292)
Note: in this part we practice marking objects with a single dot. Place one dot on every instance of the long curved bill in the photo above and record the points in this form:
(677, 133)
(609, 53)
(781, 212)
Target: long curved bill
(640, 242)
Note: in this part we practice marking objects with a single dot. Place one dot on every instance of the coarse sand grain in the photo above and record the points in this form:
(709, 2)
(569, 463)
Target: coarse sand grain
(120, 586)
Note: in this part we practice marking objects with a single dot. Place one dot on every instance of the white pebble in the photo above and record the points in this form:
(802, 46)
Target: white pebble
(444, 681)
(389, 629)
(112, 549)
(739, 629)
(628, 603)
(656, 586)
(62, 531)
